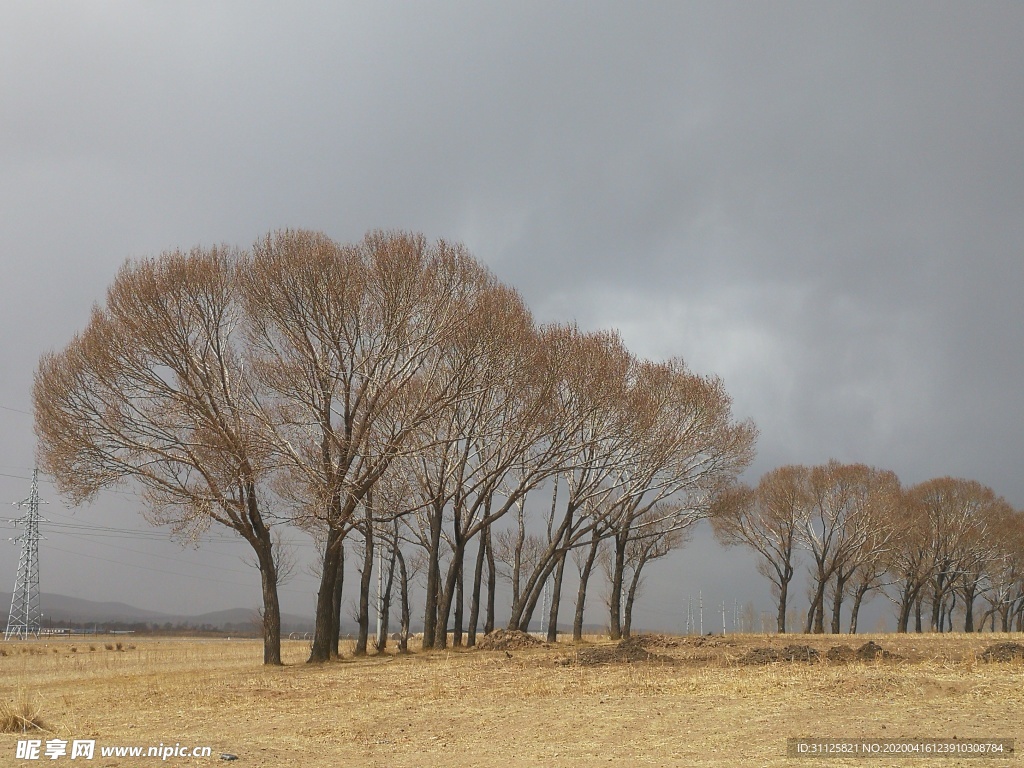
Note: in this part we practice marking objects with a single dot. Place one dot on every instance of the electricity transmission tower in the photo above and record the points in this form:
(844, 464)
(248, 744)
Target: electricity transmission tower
(24, 619)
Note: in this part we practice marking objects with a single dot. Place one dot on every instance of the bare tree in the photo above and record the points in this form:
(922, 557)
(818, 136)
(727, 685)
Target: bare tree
(766, 519)
(835, 527)
(517, 552)
(870, 573)
(987, 552)
(153, 393)
(957, 513)
(656, 533)
(344, 342)
(592, 376)
(867, 535)
(482, 454)
(685, 449)
(1004, 564)
(910, 560)
(585, 558)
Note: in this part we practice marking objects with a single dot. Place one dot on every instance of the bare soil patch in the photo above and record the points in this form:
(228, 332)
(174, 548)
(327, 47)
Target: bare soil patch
(1002, 652)
(870, 651)
(507, 640)
(768, 655)
(660, 641)
(839, 653)
(629, 651)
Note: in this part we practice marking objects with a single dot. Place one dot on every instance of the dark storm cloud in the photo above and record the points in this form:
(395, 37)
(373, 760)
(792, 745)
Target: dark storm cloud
(819, 202)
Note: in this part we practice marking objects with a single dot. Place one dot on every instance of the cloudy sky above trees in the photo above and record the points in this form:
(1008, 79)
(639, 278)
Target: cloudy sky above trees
(821, 203)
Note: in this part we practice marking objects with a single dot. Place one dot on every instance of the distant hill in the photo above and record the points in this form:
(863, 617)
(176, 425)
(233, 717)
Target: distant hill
(64, 611)
(61, 610)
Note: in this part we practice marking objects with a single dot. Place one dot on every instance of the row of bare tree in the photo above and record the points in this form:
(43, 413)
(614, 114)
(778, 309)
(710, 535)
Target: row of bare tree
(936, 547)
(396, 389)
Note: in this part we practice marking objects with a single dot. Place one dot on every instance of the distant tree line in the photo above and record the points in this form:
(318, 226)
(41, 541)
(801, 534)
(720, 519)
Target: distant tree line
(394, 392)
(934, 548)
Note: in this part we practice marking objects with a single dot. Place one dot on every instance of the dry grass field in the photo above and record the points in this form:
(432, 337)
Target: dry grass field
(695, 704)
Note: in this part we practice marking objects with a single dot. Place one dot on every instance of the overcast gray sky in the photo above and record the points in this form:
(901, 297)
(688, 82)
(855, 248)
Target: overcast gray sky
(823, 203)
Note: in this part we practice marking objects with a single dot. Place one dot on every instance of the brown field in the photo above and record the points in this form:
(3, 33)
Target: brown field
(551, 706)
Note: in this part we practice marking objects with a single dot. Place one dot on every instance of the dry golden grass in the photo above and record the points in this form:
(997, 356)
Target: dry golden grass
(478, 708)
(20, 715)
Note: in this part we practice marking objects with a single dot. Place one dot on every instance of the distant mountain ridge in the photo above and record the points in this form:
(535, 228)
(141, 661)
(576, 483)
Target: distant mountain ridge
(61, 609)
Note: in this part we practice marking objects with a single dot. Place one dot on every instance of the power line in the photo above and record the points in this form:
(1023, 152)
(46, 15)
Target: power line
(149, 569)
(91, 529)
(16, 477)
(103, 531)
(136, 495)
(167, 557)
(79, 530)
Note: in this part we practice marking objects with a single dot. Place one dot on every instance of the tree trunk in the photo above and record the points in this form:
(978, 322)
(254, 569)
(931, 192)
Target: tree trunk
(627, 621)
(492, 585)
(969, 610)
(917, 615)
(581, 593)
(365, 580)
(948, 611)
(783, 596)
(837, 603)
(262, 542)
(816, 612)
(908, 597)
(523, 608)
(819, 616)
(556, 593)
(459, 604)
(474, 602)
(517, 560)
(936, 620)
(271, 606)
(385, 604)
(858, 600)
(403, 574)
(527, 605)
(903, 620)
(522, 614)
(339, 583)
(615, 593)
(433, 578)
(447, 594)
(320, 650)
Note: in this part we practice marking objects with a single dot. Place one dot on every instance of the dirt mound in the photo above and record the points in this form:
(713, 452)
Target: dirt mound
(767, 655)
(658, 641)
(507, 640)
(840, 653)
(1003, 652)
(708, 641)
(871, 651)
(628, 651)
